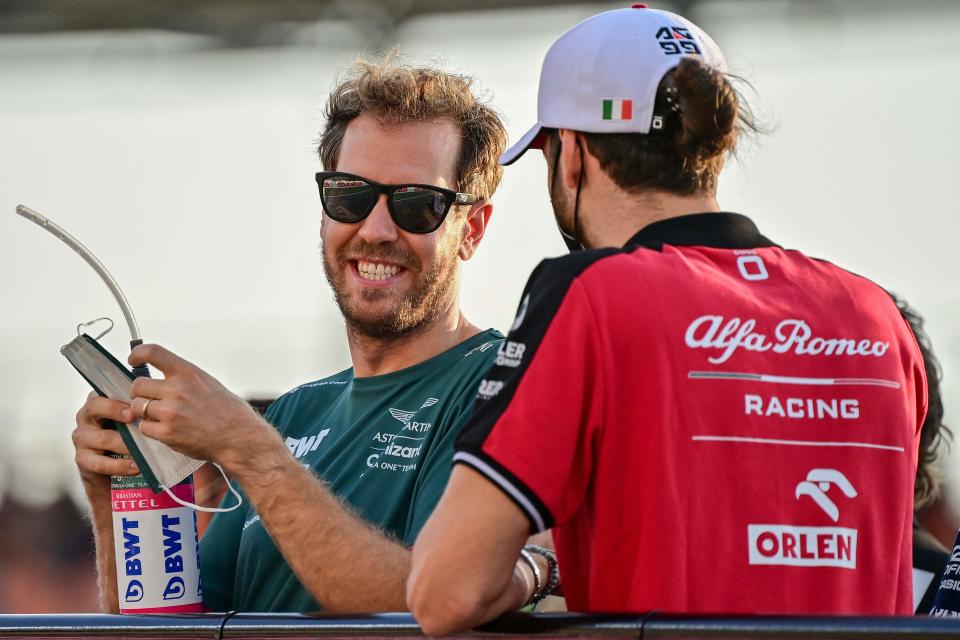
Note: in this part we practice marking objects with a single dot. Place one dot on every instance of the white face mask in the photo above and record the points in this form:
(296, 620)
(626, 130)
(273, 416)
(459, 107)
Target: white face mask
(161, 466)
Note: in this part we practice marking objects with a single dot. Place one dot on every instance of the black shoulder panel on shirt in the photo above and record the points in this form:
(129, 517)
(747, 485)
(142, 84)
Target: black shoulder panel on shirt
(930, 556)
(542, 297)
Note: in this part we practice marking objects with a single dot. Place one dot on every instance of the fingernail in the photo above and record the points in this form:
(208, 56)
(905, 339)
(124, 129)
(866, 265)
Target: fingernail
(127, 415)
(133, 467)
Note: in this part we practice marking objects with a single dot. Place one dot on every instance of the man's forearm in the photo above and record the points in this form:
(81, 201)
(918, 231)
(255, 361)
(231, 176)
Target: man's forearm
(449, 591)
(101, 515)
(345, 563)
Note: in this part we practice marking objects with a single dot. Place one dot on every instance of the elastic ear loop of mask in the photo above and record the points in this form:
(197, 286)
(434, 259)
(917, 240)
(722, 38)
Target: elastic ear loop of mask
(209, 509)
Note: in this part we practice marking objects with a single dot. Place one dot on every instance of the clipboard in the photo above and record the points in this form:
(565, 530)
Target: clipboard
(111, 379)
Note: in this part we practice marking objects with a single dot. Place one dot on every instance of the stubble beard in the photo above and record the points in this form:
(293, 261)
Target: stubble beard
(562, 206)
(415, 309)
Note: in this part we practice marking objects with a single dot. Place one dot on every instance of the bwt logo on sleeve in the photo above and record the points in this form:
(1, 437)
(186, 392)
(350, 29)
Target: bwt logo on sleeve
(789, 545)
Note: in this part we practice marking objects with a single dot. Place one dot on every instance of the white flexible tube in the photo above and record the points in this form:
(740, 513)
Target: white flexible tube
(91, 259)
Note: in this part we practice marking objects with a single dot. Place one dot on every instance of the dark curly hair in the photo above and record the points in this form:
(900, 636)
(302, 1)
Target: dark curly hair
(933, 433)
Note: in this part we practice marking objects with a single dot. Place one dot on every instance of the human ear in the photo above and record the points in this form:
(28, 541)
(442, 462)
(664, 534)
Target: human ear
(571, 162)
(474, 228)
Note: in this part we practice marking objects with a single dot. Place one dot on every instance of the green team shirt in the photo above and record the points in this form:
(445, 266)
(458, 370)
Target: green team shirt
(382, 443)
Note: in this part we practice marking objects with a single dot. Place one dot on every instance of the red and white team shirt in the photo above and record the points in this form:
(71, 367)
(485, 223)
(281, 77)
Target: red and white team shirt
(711, 423)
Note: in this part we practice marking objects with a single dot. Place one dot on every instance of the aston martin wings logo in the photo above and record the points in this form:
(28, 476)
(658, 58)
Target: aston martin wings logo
(406, 416)
(401, 415)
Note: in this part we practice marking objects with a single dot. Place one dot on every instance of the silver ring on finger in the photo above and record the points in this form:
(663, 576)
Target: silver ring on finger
(144, 413)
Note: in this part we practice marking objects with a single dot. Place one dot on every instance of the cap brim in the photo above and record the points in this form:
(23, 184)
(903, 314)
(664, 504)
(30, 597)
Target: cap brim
(532, 139)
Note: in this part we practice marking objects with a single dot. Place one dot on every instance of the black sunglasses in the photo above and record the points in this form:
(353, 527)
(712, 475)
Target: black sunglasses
(417, 208)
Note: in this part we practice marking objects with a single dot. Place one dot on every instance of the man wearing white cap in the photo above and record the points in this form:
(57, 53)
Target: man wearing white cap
(708, 422)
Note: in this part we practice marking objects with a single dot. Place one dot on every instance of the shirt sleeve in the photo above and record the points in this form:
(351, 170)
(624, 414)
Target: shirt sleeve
(539, 410)
(219, 548)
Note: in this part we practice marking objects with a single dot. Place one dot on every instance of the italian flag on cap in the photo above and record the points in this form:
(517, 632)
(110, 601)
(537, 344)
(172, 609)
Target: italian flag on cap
(617, 109)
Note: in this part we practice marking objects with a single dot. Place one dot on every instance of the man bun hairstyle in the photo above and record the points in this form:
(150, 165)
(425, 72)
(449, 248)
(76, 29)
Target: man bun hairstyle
(701, 117)
(708, 111)
(396, 93)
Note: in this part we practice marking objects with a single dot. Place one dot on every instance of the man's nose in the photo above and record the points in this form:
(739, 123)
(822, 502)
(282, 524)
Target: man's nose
(378, 227)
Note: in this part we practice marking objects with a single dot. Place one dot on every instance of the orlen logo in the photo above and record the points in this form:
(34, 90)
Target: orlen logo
(489, 389)
(510, 354)
(789, 545)
(677, 40)
(818, 483)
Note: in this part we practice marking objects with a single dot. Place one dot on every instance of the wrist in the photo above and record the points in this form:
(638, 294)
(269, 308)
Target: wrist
(535, 583)
(97, 489)
(543, 561)
(259, 459)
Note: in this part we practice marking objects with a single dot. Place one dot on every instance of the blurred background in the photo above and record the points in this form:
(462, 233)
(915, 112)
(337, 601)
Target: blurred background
(176, 140)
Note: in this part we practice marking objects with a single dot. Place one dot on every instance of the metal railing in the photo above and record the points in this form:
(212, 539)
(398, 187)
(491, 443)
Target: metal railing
(389, 625)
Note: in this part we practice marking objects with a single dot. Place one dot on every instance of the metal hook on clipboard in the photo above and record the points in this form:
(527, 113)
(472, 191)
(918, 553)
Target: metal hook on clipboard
(85, 325)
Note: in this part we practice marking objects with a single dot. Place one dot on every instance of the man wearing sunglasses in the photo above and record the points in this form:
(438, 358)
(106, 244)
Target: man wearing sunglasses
(338, 490)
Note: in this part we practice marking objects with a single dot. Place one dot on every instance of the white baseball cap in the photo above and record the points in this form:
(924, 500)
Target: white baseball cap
(602, 75)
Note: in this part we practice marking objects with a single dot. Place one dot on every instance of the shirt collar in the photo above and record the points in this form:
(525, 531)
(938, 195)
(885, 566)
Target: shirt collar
(720, 230)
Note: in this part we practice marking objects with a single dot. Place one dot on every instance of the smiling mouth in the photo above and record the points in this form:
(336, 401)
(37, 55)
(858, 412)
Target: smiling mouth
(374, 271)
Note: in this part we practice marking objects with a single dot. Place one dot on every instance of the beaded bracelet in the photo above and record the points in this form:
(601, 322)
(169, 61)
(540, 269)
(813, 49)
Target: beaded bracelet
(553, 580)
